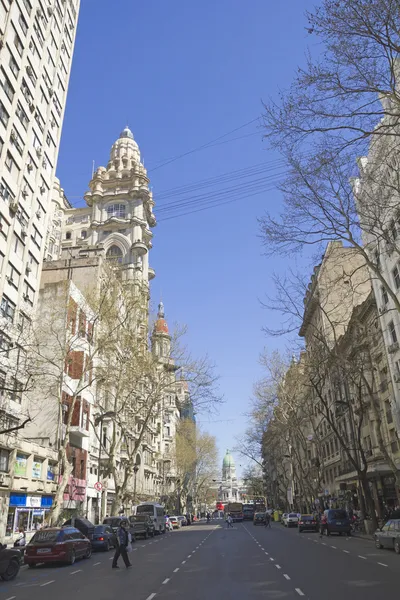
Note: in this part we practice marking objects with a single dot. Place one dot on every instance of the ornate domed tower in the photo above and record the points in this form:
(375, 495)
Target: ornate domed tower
(228, 468)
(122, 210)
(160, 339)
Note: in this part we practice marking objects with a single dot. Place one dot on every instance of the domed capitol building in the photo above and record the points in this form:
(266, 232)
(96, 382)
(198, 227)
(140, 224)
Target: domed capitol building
(231, 489)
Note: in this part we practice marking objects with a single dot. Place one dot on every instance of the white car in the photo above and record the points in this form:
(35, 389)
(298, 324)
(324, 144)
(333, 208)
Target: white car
(283, 517)
(291, 520)
(168, 524)
(175, 522)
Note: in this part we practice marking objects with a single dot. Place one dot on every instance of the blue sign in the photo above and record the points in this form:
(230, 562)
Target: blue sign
(47, 501)
(17, 499)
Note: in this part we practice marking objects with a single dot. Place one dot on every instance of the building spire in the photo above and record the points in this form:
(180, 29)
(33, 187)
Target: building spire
(161, 311)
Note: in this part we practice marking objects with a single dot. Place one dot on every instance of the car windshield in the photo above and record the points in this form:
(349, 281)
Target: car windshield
(112, 521)
(307, 518)
(338, 514)
(293, 515)
(99, 529)
(49, 536)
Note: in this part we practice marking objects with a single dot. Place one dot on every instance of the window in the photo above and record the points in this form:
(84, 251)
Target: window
(16, 391)
(17, 140)
(396, 277)
(388, 412)
(39, 120)
(20, 467)
(4, 226)
(13, 276)
(14, 68)
(114, 253)
(5, 345)
(28, 6)
(29, 293)
(392, 332)
(377, 259)
(6, 85)
(4, 460)
(83, 234)
(23, 322)
(36, 237)
(104, 442)
(23, 24)
(68, 235)
(18, 44)
(385, 297)
(22, 116)
(10, 163)
(32, 265)
(18, 246)
(7, 308)
(37, 465)
(116, 210)
(4, 116)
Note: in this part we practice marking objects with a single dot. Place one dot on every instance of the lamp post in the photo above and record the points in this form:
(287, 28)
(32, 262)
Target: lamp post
(135, 472)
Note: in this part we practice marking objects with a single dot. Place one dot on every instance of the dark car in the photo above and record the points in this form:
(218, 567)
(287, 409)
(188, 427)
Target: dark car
(10, 562)
(83, 525)
(104, 538)
(259, 518)
(57, 544)
(142, 526)
(113, 522)
(335, 520)
(389, 536)
(307, 523)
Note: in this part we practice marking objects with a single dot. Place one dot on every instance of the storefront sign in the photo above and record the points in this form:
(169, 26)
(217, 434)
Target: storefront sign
(33, 501)
(37, 469)
(20, 465)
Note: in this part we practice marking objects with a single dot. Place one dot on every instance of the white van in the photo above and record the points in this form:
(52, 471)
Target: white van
(155, 511)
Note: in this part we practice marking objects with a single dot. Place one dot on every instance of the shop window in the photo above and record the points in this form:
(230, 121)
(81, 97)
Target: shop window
(20, 465)
(37, 469)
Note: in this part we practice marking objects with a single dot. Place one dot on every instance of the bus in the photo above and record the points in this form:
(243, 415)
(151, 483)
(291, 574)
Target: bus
(156, 512)
(235, 509)
(248, 512)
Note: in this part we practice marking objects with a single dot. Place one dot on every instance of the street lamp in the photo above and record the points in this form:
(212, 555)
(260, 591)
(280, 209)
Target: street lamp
(135, 472)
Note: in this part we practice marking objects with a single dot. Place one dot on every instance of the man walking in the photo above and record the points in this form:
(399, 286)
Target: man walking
(267, 521)
(122, 545)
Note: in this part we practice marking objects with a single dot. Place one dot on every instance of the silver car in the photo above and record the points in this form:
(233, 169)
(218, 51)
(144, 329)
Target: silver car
(292, 520)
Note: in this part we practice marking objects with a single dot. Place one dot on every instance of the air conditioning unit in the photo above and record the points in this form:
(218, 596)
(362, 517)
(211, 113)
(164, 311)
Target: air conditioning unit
(42, 189)
(53, 123)
(51, 91)
(50, 11)
(29, 166)
(39, 13)
(44, 163)
(29, 70)
(13, 136)
(23, 232)
(31, 106)
(14, 206)
(38, 212)
(39, 151)
(28, 268)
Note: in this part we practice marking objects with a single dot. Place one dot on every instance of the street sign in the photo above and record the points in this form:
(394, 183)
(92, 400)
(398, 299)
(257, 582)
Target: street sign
(98, 486)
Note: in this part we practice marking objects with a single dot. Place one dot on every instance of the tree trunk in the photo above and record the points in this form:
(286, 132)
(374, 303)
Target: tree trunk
(58, 503)
(369, 501)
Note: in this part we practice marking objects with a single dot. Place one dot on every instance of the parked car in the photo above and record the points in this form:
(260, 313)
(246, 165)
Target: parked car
(114, 522)
(259, 518)
(335, 520)
(176, 524)
(291, 520)
(389, 535)
(142, 526)
(57, 544)
(307, 523)
(104, 538)
(283, 517)
(83, 525)
(10, 562)
(183, 520)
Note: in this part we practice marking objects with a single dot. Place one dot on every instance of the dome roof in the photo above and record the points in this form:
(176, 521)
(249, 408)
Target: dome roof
(161, 326)
(228, 460)
(126, 133)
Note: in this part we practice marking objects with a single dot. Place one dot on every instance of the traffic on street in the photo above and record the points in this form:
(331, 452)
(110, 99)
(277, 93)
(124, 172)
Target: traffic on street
(211, 561)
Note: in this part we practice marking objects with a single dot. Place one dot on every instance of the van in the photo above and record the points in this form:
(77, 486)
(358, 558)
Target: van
(335, 520)
(156, 512)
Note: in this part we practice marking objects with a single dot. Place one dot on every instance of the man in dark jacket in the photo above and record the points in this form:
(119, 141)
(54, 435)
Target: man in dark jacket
(122, 544)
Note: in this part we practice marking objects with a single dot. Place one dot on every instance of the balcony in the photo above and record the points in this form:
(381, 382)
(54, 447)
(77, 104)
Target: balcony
(152, 273)
(79, 437)
(139, 247)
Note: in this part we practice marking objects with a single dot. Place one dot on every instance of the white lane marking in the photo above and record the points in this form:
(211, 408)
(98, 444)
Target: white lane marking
(189, 555)
(262, 549)
(286, 576)
(271, 559)
(193, 551)
(298, 590)
(145, 546)
(134, 549)
(277, 566)
(363, 557)
(176, 570)
(47, 583)
(266, 553)
(382, 564)
(346, 551)
(11, 598)
(183, 562)
(150, 597)
(165, 581)
(334, 547)
(78, 571)
(323, 543)
(98, 563)
(112, 558)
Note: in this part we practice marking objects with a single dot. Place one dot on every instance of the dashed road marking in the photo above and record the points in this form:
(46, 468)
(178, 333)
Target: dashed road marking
(267, 553)
(323, 543)
(47, 583)
(272, 559)
(334, 547)
(98, 563)
(278, 567)
(286, 576)
(346, 551)
(11, 598)
(382, 564)
(165, 581)
(183, 562)
(363, 557)
(176, 570)
(189, 555)
(78, 571)
(150, 597)
(298, 590)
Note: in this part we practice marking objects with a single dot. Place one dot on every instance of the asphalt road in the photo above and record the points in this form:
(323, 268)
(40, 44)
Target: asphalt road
(209, 562)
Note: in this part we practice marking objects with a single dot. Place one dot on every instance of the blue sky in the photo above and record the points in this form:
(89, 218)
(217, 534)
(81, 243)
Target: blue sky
(182, 73)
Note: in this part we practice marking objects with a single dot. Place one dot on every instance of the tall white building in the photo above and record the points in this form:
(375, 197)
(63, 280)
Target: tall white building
(36, 46)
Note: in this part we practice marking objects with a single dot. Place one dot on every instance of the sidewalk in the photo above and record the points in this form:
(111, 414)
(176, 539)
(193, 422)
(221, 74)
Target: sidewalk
(363, 536)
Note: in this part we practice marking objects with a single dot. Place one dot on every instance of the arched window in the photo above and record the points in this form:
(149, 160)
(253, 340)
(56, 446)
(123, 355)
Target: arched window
(83, 234)
(114, 253)
(116, 210)
(68, 235)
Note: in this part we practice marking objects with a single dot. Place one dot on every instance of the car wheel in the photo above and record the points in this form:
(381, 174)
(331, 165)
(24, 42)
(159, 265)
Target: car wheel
(88, 552)
(378, 544)
(72, 557)
(397, 546)
(12, 570)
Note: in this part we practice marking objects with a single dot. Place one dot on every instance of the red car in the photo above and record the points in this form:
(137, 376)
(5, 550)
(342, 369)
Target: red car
(57, 544)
